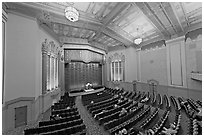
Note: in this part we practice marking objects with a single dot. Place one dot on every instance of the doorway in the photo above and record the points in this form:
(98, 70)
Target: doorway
(20, 116)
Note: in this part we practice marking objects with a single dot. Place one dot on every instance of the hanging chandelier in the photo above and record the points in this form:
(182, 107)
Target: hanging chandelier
(71, 14)
(137, 41)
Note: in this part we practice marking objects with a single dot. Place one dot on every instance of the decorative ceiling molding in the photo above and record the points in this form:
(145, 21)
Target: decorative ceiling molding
(171, 15)
(193, 34)
(154, 45)
(69, 40)
(146, 9)
(116, 36)
(60, 12)
(89, 47)
(114, 25)
(118, 8)
(47, 29)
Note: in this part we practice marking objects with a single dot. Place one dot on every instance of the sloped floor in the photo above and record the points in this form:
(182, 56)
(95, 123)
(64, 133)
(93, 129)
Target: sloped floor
(92, 127)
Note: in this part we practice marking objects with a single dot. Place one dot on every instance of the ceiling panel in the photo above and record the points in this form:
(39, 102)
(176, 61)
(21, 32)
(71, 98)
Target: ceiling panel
(133, 21)
(188, 13)
(115, 23)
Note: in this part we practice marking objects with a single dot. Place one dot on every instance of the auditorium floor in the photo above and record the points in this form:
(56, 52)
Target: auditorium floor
(93, 128)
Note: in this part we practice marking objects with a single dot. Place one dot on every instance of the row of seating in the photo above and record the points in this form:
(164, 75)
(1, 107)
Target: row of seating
(133, 95)
(116, 114)
(160, 100)
(66, 110)
(95, 97)
(113, 101)
(132, 121)
(50, 128)
(145, 98)
(74, 130)
(100, 103)
(106, 108)
(194, 127)
(168, 104)
(137, 96)
(66, 114)
(159, 125)
(115, 125)
(174, 127)
(129, 94)
(187, 107)
(61, 106)
(199, 103)
(176, 104)
(64, 102)
(154, 98)
(121, 105)
(62, 121)
(52, 122)
(149, 119)
(193, 105)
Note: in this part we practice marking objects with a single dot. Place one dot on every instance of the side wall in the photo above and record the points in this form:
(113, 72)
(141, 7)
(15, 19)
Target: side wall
(130, 63)
(23, 70)
(170, 64)
(153, 65)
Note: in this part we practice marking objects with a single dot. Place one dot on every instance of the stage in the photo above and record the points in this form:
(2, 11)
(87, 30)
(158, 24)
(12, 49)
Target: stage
(87, 92)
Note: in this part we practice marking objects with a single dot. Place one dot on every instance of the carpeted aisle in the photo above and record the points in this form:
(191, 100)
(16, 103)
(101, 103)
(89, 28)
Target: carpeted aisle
(93, 128)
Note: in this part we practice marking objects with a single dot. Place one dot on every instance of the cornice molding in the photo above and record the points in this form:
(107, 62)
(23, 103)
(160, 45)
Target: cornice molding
(88, 47)
(178, 39)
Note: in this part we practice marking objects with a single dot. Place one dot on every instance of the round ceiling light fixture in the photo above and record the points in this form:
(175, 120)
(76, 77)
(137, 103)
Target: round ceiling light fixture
(71, 14)
(137, 41)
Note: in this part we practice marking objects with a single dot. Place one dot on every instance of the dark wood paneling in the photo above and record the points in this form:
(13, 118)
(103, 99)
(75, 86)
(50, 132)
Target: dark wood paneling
(77, 74)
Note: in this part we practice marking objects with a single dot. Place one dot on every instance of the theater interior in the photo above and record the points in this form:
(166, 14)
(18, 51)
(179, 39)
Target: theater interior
(102, 68)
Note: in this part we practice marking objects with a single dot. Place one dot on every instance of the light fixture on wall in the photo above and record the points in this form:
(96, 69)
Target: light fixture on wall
(137, 41)
(71, 14)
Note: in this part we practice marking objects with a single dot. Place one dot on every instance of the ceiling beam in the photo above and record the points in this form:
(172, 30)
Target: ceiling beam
(86, 17)
(57, 16)
(116, 36)
(150, 41)
(146, 9)
(175, 13)
(171, 16)
(48, 30)
(78, 24)
(115, 12)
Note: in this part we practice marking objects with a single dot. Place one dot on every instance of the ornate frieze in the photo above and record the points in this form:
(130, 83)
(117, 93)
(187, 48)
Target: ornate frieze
(50, 48)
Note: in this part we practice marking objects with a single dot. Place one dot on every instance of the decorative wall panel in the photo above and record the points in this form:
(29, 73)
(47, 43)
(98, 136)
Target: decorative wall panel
(175, 65)
(78, 74)
(82, 55)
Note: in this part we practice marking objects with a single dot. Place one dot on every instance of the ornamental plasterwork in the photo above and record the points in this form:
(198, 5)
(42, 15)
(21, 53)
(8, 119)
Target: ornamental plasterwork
(45, 46)
(116, 56)
(109, 60)
(50, 48)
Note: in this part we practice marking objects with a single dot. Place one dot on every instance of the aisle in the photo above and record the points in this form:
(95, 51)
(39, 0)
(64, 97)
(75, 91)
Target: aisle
(92, 126)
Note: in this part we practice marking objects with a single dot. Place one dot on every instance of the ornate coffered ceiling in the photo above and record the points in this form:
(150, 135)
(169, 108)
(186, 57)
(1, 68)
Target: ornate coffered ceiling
(113, 24)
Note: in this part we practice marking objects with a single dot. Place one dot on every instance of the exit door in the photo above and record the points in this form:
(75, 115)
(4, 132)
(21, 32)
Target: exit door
(20, 116)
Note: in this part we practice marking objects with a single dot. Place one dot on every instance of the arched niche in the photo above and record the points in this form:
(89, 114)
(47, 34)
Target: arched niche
(117, 67)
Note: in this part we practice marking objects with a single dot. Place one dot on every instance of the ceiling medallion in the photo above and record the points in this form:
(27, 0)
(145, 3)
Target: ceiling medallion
(71, 14)
(137, 41)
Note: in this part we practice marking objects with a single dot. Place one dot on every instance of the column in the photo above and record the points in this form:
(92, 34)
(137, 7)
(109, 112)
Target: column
(56, 85)
(44, 67)
(123, 66)
(52, 72)
(176, 63)
(48, 73)
(138, 51)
